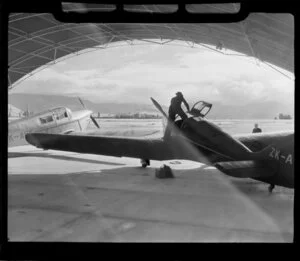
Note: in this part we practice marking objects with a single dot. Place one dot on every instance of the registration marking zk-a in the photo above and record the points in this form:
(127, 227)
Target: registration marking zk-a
(275, 154)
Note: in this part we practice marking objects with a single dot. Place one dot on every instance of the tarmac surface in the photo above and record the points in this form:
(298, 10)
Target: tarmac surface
(64, 196)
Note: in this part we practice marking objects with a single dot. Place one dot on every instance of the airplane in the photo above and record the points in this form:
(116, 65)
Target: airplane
(267, 157)
(56, 120)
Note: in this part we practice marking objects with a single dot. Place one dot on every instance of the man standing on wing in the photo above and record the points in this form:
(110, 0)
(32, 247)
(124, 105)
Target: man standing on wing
(175, 109)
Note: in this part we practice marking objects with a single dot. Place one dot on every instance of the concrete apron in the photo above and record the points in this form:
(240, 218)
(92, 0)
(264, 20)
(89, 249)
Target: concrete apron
(60, 196)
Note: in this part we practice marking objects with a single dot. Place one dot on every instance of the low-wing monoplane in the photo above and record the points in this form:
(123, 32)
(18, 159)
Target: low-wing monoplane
(267, 157)
(59, 120)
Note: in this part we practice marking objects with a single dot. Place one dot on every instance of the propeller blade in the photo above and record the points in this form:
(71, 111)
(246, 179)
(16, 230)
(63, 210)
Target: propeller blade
(92, 118)
(190, 138)
(81, 103)
(95, 122)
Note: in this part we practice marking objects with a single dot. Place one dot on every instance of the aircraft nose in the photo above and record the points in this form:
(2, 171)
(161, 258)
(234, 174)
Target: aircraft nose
(86, 113)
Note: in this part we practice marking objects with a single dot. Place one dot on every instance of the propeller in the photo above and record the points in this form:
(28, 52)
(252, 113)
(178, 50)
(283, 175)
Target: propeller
(92, 118)
(182, 143)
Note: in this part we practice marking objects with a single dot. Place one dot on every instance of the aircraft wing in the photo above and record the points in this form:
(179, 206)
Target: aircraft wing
(245, 169)
(154, 149)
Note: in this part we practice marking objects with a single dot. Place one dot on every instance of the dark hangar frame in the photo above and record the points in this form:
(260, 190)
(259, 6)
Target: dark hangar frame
(24, 50)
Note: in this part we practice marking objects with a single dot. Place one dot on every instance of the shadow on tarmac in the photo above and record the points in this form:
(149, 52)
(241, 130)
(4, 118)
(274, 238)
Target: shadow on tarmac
(59, 157)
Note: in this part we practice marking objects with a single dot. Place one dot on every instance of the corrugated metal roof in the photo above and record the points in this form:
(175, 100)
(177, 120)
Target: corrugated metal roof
(37, 40)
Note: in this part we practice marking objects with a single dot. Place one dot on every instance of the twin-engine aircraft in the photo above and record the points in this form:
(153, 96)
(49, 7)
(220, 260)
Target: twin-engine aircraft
(265, 157)
(59, 120)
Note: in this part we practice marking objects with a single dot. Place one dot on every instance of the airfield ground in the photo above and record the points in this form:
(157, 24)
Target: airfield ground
(64, 196)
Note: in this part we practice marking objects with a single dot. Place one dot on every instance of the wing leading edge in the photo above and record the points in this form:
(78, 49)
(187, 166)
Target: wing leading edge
(110, 146)
(154, 149)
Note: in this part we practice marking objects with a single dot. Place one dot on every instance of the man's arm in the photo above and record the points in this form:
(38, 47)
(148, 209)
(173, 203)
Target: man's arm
(186, 104)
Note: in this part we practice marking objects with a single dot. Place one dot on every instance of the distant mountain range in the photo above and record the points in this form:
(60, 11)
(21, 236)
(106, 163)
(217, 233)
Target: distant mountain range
(38, 102)
(257, 110)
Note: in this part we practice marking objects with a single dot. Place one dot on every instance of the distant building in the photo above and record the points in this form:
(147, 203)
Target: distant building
(103, 115)
(284, 116)
(137, 115)
(14, 111)
(96, 115)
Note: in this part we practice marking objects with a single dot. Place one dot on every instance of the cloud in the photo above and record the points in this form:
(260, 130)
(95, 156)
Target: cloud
(135, 73)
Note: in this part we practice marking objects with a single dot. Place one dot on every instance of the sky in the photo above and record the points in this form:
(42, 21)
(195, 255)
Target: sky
(134, 73)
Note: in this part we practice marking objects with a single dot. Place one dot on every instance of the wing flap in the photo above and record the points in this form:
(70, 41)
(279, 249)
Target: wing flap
(245, 169)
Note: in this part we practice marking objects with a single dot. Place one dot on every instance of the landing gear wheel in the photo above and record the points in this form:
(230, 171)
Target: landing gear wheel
(271, 187)
(145, 162)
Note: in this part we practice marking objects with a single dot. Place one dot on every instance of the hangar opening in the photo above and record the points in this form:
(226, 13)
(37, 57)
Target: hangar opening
(94, 172)
(39, 39)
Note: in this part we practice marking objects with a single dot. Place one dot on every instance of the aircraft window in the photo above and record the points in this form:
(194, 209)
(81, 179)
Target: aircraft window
(62, 115)
(46, 119)
(205, 110)
(197, 118)
(201, 108)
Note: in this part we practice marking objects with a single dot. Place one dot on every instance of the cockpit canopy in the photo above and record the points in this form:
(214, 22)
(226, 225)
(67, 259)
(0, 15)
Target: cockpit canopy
(200, 108)
(198, 112)
(57, 114)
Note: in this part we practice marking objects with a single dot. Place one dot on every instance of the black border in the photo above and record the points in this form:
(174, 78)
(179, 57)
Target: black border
(43, 250)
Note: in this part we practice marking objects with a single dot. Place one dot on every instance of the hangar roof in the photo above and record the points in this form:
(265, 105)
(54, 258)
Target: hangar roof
(38, 40)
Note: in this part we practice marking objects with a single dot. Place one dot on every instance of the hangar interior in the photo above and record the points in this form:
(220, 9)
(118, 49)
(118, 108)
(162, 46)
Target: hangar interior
(66, 196)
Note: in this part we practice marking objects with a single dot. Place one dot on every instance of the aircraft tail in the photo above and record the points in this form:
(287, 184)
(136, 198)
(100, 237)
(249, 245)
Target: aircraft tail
(256, 167)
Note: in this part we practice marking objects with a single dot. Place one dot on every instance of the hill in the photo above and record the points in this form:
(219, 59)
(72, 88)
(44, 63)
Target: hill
(38, 102)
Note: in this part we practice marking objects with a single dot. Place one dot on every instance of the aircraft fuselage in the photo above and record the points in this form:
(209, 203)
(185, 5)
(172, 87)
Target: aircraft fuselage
(280, 157)
(223, 147)
(59, 120)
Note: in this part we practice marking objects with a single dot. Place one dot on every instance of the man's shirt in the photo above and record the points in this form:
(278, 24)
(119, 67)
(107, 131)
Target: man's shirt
(256, 130)
(176, 103)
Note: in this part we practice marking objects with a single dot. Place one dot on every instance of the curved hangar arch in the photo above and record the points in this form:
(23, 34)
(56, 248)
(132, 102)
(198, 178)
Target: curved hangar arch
(39, 39)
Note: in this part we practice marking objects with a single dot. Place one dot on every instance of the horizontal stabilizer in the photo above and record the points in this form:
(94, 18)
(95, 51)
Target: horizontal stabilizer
(263, 154)
(245, 169)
